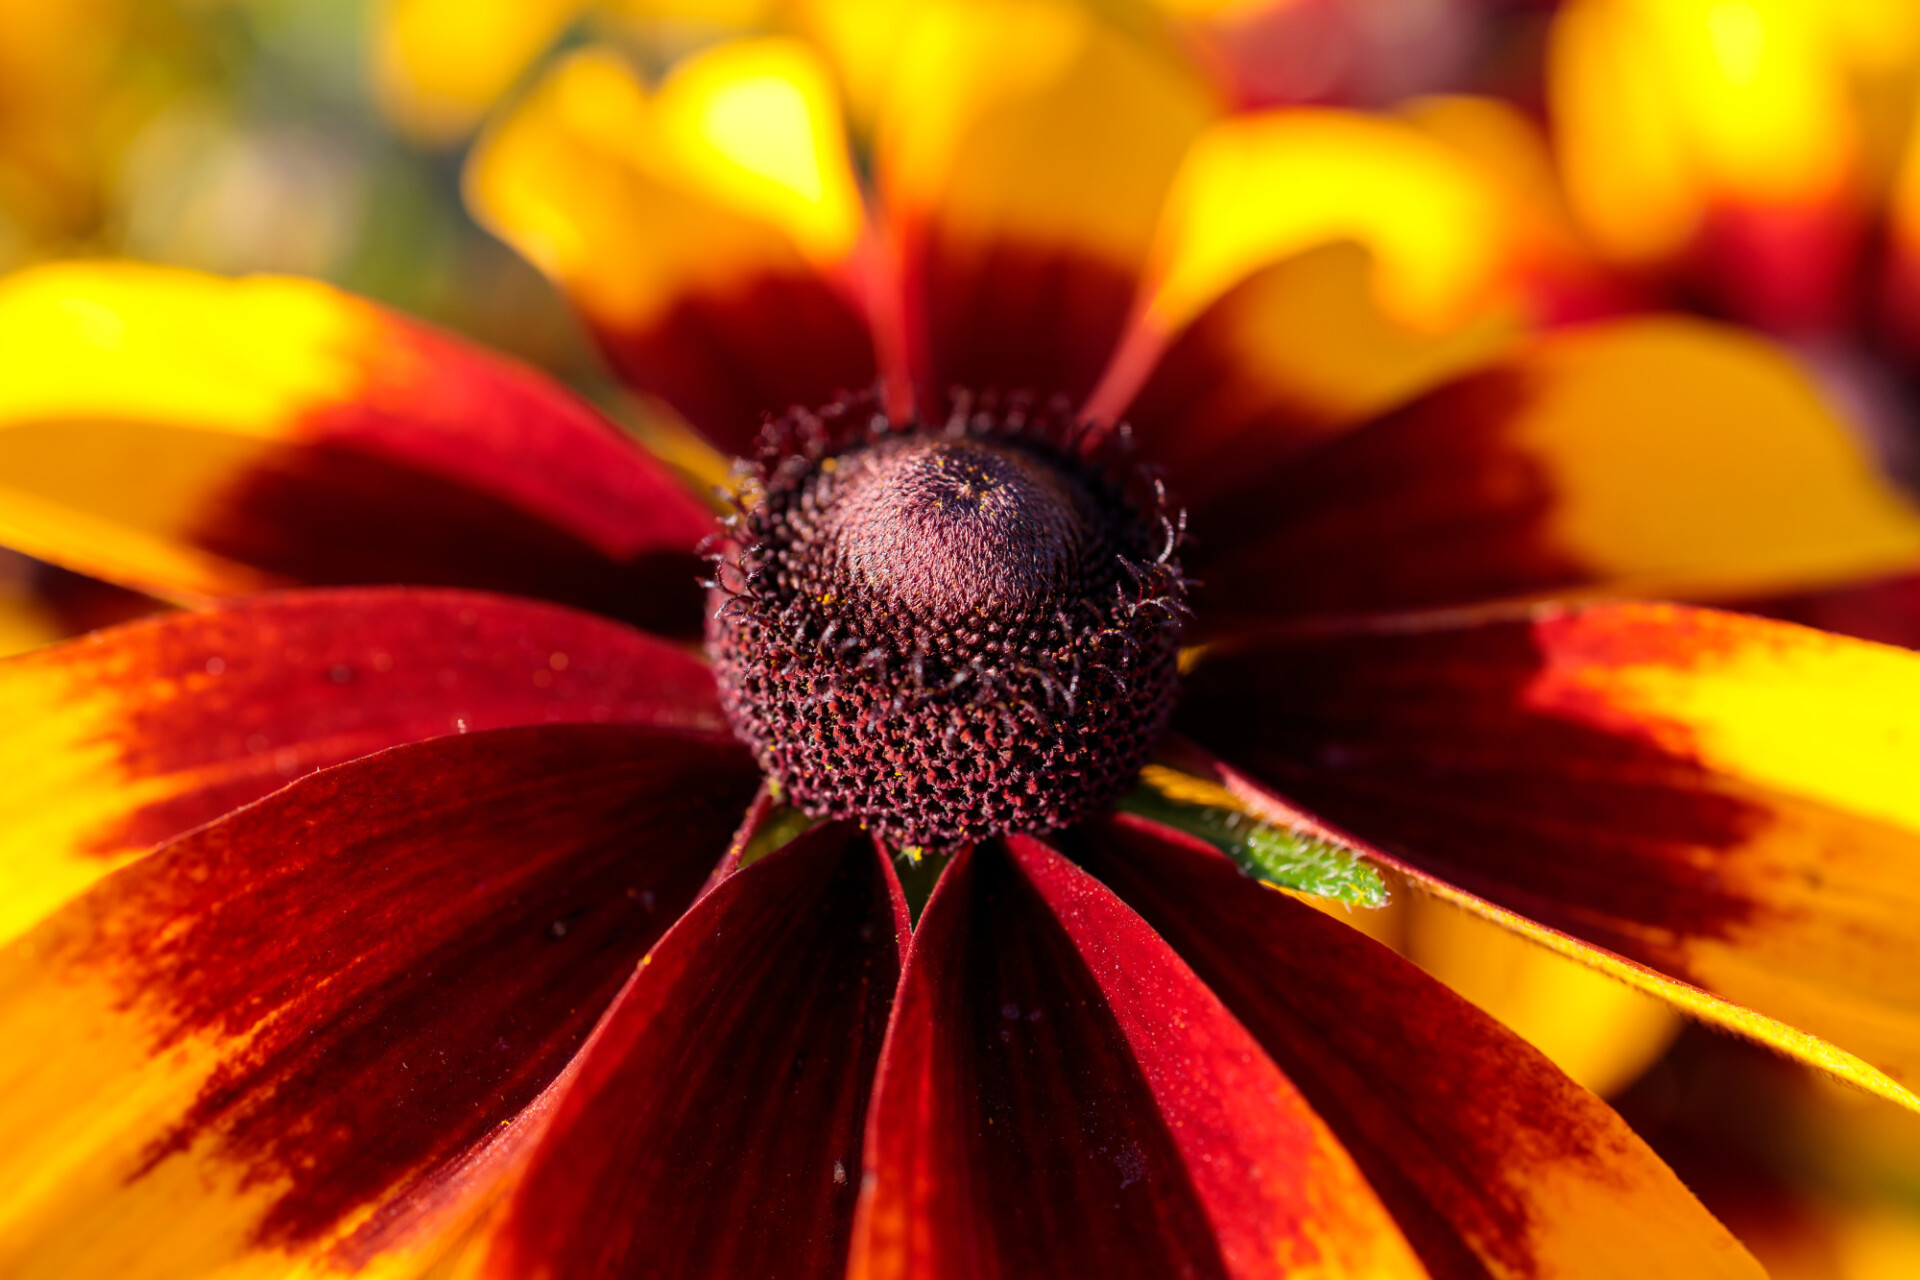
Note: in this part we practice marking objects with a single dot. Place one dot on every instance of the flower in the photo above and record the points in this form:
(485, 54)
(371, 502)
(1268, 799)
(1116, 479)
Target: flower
(53, 120)
(1756, 139)
(79, 81)
(439, 67)
(405, 928)
(1753, 160)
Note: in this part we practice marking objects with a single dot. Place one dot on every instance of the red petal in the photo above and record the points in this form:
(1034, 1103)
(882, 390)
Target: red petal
(1293, 355)
(1651, 457)
(1490, 1159)
(726, 362)
(714, 1129)
(131, 736)
(1061, 1096)
(470, 471)
(305, 1013)
(1023, 156)
(1885, 609)
(1725, 799)
(200, 437)
(1014, 316)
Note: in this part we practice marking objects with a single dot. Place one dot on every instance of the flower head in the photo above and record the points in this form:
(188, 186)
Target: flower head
(949, 634)
(375, 927)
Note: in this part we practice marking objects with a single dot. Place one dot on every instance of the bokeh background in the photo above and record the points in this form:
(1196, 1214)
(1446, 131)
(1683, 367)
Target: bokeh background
(1755, 161)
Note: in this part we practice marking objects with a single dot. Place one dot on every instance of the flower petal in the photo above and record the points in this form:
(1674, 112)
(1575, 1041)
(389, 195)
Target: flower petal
(1294, 354)
(280, 1031)
(439, 65)
(1257, 189)
(200, 437)
(1507, 147)
(1312, 268)
(1023, 155)
(131, 736)
(1492, 1161)
(1702, 1006)
(708, 231)
(1722, 140)
(1061, 1096)
(1646, 457)
(1883, 609)
(1603, 1033)
(1726, 799)
(26, 621)
(714, 1128)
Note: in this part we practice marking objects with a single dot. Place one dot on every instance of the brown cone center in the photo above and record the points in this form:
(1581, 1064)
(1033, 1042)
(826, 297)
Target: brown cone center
(950, 527)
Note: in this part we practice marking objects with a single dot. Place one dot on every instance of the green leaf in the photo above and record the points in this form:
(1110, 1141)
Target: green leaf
(1278, 855)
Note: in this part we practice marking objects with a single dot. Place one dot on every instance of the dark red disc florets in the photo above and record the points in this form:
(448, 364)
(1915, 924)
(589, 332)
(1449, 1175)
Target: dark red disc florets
(947, 632)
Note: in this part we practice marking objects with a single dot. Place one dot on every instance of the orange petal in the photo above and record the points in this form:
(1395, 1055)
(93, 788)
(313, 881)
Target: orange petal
(1491, 1161)
(1602, 1033)
(1724, 132)
(132, 736)
(81, 80)
(1696, 1003)
(707, 231)
(1259, 188)
(1024, 151)
(1299, 352)
(439, 65)
(1563, 276)
(1724, 799)
(27, 621)
(299, 1035)
(1646, 457)
(1313, 268)
(861, 39)
(199, 437)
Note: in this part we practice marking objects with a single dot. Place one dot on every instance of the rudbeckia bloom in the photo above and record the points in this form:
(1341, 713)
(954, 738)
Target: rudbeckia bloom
(418, 929)
(1754, 159)
(439, 67)
(1737, 149)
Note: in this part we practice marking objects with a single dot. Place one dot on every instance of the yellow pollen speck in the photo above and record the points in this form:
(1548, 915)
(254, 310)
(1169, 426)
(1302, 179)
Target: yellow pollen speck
(829, 465)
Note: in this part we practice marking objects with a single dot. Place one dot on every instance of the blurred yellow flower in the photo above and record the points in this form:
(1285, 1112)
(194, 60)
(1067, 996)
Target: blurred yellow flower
(57, 63)
(440, 65)
(1747, 146)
